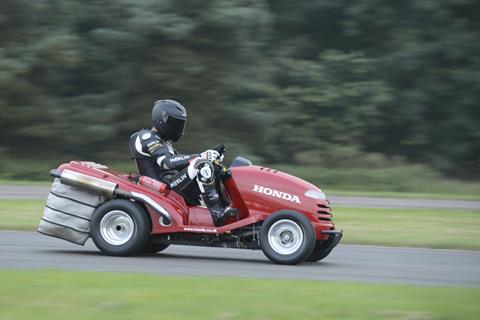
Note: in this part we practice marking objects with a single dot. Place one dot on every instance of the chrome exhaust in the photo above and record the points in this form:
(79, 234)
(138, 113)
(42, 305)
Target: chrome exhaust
(108, 189)
(80, 180)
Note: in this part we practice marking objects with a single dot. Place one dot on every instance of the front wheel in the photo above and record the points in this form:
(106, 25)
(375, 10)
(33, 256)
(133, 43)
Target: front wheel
(319, 252)
(120, 228)
(287, 237)
(324, 247)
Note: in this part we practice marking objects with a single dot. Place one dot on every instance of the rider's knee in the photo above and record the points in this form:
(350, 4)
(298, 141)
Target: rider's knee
(202, 170)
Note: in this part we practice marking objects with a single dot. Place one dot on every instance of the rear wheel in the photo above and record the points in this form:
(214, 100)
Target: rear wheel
(287, 237)
(120, 227)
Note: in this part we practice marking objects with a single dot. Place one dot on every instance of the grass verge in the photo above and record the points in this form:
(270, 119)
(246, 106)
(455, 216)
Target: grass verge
(20, 214)
(8, 182)
(402, 195)
(448, 229)
(90, 295)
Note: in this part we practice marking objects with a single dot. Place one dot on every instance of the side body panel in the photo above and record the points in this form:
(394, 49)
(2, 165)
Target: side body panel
(255, 191)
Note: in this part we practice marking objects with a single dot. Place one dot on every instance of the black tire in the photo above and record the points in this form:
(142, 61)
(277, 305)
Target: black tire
(298, 223)
(154, 247)
(138, 222)
(318, 252)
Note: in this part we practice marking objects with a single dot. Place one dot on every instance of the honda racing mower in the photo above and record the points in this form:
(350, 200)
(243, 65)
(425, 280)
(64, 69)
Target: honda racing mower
(287, 218)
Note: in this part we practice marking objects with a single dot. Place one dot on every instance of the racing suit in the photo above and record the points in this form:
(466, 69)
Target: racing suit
(190, 175)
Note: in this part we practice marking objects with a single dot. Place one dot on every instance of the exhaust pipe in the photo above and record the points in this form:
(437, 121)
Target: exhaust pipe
(108, 189)
(80, 180)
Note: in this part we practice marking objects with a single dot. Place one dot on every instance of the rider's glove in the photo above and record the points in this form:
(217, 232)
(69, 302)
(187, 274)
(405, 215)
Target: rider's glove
(210, 155)
(220, 149)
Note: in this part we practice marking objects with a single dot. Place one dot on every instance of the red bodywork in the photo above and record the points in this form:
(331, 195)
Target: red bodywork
(279, 192)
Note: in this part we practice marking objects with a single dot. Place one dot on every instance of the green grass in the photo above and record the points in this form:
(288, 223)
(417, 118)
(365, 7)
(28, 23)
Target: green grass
(89, 295)
(11, 182)
(20, 214)
(448, 229)
(402, 195)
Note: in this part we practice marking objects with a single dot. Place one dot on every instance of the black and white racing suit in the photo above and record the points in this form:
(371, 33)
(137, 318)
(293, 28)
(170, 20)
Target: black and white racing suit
(190, 175)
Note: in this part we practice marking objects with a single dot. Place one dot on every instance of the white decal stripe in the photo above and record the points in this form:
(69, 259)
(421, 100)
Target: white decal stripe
(138, 147)
(192, 171)
(170, 148)
(160, 160)
(200, 186)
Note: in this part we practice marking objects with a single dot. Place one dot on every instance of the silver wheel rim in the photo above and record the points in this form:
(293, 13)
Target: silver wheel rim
(285, 237)
(116, 227)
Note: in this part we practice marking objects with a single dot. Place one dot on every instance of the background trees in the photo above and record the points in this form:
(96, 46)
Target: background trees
(335, 83)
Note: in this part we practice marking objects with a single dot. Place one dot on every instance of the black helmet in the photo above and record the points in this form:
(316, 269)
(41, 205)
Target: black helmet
(169, 118)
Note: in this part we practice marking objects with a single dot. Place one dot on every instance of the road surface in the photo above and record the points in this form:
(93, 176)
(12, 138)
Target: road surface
(29, 250)
(40, 192)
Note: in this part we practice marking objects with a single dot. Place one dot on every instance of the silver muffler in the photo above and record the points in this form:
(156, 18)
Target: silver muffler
(83, 181)
(108, 189)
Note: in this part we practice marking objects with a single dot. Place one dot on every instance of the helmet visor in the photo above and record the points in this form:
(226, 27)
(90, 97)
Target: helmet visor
(177, 127)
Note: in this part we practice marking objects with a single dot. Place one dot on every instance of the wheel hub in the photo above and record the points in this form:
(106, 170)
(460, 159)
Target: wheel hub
(285, 237)
(117, 227)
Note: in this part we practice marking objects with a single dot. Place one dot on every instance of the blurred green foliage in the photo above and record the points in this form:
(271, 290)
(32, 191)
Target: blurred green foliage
(336, 83)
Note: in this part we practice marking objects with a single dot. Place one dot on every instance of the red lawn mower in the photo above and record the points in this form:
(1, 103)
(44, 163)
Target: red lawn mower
(287, 218)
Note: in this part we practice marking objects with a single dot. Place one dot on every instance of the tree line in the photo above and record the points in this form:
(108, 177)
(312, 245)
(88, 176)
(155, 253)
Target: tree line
(330, 83)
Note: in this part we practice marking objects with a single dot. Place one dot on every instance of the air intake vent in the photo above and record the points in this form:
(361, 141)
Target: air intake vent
(324, 217)
(323, 208)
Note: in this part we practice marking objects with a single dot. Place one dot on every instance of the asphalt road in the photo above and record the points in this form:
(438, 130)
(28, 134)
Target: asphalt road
(38, 192)
(28, 250)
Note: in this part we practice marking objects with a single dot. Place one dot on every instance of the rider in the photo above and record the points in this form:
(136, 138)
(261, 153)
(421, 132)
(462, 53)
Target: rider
(191, 175)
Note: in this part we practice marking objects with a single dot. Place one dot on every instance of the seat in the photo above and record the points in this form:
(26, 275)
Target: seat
(147, 168)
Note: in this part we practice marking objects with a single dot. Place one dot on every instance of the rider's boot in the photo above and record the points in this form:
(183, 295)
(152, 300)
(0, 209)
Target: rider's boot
(218, 211)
